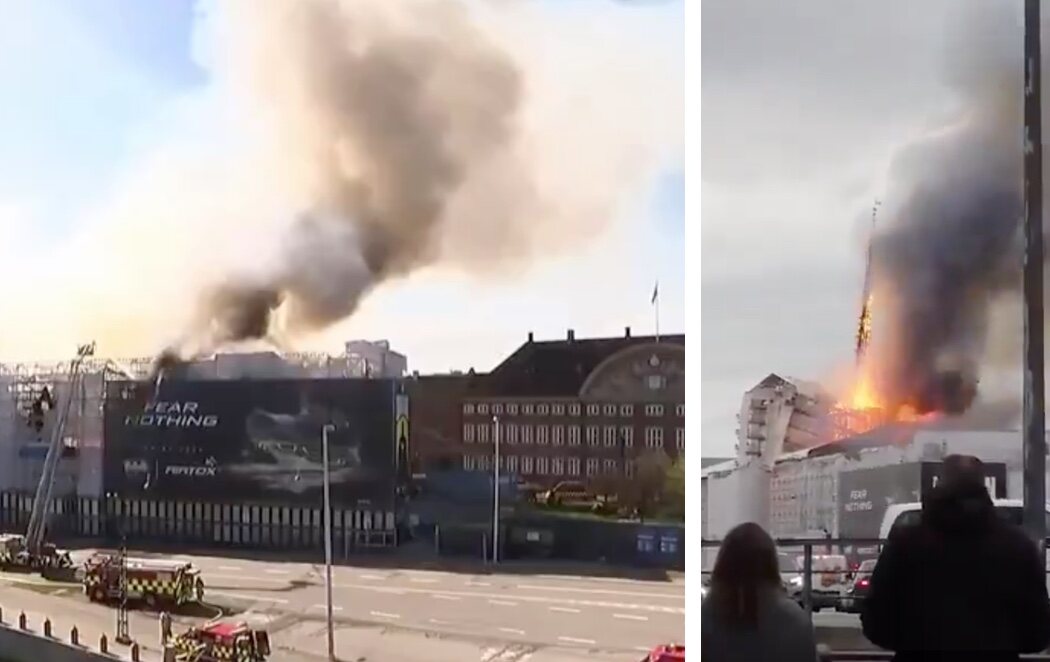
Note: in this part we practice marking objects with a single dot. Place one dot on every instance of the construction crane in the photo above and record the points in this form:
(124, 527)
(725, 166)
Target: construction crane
(34, 552)
(867, 296)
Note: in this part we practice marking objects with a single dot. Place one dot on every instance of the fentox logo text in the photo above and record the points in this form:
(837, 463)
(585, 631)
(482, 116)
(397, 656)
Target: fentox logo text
(172, 414)
(210, 468)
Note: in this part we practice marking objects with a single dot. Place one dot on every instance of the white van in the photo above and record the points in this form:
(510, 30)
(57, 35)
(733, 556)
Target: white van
(831, 577)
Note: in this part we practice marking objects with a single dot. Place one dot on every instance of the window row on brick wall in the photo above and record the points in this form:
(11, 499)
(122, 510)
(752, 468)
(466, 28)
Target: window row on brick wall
(547, 466)
(562, 409)
(610, 436)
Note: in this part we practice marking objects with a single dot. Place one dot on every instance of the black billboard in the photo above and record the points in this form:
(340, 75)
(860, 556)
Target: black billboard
(252, 441)
(864, 494)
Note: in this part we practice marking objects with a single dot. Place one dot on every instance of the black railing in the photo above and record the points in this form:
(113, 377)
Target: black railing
(808, 547)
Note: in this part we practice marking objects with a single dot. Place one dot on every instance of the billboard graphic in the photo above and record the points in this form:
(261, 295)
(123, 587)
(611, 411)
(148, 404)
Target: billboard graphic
(219, 440)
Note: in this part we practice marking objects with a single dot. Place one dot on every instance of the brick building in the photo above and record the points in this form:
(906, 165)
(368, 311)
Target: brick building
(575, 408)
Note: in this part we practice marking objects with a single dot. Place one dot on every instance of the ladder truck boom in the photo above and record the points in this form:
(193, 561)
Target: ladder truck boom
(38, 518)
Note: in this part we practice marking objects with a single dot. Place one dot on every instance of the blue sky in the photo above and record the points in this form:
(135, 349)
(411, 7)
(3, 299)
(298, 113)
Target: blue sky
(83, 83)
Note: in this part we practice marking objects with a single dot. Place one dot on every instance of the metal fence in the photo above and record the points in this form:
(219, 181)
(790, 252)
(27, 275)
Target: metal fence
(805, 549)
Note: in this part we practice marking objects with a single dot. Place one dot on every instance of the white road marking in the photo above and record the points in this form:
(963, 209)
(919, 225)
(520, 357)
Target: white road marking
(513, 631)
(235, 568)
(273, 571)
(372, 577)
(437, 621)
(391, 591)
(574, 640)
(241, 578)
(644, 649)
(473, 583)
(525, 598)
(422, 580)
(383, 614)
(605, 591)
(505, 603)
(631, 617)
(567, 610)
(445, 597)
(241, 596)
(325, 607)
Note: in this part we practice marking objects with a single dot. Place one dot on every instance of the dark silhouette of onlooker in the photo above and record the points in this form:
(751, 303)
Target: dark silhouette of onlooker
(747, 616)
(962, 583)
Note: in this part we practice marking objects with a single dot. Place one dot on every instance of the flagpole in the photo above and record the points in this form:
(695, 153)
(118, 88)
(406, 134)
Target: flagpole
(656, 303)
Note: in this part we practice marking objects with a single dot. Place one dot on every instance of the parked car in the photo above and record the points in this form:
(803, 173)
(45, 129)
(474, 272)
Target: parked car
(568, 493)
(858, 590)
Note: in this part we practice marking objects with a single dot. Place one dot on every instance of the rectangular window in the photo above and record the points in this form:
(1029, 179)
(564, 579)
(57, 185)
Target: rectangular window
(526, 465)
(512, 433)
(610, 466)
(541, 434)
(574, 466)
(558, 410)
(592, 435)
(468, 433)
(483, 408)
(593, 410)
(558, 435)
(654, 410)
(541, 465)
(497, 409)
(627, 434)
(574, 435)
(654, 437)
(626, 410)
(512, 464)
(630, 469)
(679, 410)
(610, 436)
(482, 463)
(592, 466)
(468, 407)
(483, 433)
(526, 434)
(526, 409)
(468, 462)
(574, 409)
(610, 410)
(512, 409)
(679, 438)
(557, 466)
(542, 410)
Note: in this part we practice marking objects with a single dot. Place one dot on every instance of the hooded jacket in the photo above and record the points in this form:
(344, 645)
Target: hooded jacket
(961, 580)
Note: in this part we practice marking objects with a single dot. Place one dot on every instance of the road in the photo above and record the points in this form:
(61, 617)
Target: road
(436, 615)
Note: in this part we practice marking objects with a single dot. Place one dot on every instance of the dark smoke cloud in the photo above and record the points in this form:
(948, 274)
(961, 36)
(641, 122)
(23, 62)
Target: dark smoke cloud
(950, 243)
(388, 116)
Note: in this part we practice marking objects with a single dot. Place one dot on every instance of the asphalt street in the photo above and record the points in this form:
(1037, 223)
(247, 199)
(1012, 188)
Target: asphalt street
(428, 614)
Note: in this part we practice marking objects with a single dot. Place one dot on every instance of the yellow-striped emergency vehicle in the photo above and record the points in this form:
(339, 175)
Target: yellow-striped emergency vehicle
(152, 581)
(223, 641)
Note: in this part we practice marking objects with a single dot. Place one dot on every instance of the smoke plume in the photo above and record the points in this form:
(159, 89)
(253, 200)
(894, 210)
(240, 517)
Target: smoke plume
(342, 144)
(949, 245)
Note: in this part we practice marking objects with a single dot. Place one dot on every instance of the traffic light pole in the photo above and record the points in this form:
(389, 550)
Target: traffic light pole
(1034, 406)
(123, 636)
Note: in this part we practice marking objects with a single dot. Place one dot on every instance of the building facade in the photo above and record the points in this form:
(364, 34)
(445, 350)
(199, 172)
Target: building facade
(571, 409)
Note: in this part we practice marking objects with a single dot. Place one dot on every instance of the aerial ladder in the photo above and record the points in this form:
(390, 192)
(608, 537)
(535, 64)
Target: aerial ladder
(867, 296)
(31, 550)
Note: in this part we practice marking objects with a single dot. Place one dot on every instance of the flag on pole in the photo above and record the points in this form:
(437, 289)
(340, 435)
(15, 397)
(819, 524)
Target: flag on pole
(656, 292)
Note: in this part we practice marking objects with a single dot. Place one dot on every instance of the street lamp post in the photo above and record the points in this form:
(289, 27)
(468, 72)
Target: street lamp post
(495, 494)
(328, 540)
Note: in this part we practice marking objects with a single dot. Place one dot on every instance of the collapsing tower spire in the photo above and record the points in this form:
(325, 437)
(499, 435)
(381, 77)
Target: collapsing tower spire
(867, 297)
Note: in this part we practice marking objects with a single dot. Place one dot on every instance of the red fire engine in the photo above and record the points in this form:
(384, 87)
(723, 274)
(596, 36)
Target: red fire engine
(222, 641)
(153, 581)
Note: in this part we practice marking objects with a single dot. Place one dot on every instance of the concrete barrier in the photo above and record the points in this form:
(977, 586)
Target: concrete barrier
(24, 646)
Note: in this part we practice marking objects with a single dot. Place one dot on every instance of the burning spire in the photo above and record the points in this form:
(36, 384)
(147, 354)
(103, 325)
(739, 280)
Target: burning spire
(867, 297)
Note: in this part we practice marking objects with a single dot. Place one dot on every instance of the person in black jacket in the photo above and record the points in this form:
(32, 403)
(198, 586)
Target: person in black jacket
(962, 580)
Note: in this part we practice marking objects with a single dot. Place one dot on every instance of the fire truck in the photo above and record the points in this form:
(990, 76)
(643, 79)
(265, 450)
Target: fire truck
(152, 581)
(14, 553)
(223, 641)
